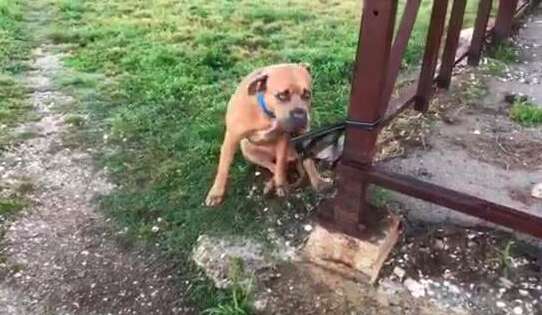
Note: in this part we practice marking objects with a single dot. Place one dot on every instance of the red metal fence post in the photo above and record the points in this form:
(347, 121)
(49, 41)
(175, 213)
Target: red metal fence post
(430, 58)
(367, 104)
(479, 32)
(400, 44)
(505, 18)
(452, 40)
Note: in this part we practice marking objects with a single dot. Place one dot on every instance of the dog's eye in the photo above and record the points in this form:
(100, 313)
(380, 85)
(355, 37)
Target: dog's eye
(306, 95)
(283, 96)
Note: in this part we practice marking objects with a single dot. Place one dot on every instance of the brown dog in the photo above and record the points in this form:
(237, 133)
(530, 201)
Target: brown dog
(269, 105)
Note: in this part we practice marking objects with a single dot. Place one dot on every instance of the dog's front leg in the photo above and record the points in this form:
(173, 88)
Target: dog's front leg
(281, 165)
(227, 153)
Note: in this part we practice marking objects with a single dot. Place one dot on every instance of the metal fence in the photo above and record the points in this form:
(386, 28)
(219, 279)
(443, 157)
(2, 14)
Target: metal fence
(378, 62)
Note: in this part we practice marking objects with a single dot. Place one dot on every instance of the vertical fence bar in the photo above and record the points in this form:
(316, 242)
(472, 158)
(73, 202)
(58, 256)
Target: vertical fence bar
(505, 19)
(452, 40)
(430, 58)
(366, 105)
(479, 32)
(400, 44)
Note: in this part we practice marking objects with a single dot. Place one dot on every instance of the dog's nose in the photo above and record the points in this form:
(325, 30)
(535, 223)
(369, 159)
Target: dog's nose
(299, 117)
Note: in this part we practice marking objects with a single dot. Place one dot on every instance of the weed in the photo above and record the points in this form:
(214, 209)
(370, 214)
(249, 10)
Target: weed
(379, 196)
(10, 206)
(505, 52)
(472, 91)
(495, 67)
(504, 258)
(74, 120)
(239, 297)
(526, 113)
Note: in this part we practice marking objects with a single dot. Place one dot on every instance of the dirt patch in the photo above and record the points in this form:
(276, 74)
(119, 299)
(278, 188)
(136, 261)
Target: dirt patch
(513, 151)
(61, 255)
(482, 271)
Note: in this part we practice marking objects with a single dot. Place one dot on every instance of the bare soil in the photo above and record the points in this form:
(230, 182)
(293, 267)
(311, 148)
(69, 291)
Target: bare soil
(61, 256)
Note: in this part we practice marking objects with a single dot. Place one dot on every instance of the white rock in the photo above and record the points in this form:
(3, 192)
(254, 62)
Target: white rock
(518, 310)
(399, 272)
(260, 304)
(308, 227)
(537, 191)
(155, 229)
(416, 289)
(500, 304)
(477, 132)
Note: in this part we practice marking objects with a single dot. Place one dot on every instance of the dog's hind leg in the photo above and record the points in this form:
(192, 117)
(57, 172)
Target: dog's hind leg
(258, 154)
(263, 156)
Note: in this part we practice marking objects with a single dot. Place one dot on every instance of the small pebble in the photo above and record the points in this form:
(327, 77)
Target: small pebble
(537, 191)
(399, 272)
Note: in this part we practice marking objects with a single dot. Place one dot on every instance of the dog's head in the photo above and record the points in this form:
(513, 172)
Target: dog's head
(288, 92)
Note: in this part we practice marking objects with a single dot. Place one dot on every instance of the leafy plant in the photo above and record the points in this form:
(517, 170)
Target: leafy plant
(526, 113)
(238, 300)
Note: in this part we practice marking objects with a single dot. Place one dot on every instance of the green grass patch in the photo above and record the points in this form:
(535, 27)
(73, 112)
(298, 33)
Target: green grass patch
(10, 206)
(495, 67)
(13, 49)
(505, 52)
(500, 56)
(526, 113)
(74, 120)
(238, 299)
(13, 105)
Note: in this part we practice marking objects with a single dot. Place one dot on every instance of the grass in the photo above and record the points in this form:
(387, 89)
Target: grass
(526, 113)
(172, 66)
(473, 90)
(13, 49)
(505, 52)
(500, 57)
(10, 206)
(238, 301)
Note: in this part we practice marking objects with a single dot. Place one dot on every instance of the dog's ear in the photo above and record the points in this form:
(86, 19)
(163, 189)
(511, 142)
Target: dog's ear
(258, 84)
(307, 66)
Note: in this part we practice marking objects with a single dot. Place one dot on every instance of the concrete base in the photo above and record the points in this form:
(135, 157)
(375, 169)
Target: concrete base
(356, 258)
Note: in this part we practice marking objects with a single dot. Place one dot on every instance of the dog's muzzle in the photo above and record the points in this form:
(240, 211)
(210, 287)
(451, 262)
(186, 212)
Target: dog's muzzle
(298, 119)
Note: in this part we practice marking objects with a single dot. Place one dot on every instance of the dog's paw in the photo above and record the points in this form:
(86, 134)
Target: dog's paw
(281, 191)
(269, 186)
(213, 199)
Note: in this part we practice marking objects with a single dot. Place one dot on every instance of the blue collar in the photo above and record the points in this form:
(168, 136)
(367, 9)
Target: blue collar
(263, 105)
